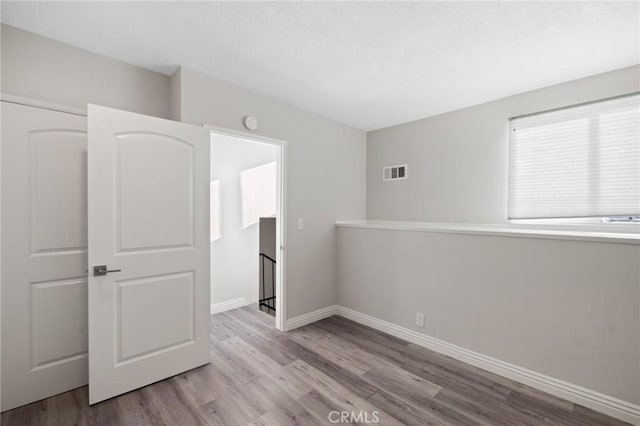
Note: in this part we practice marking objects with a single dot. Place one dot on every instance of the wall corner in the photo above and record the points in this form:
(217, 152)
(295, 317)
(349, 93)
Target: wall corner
(175, 95)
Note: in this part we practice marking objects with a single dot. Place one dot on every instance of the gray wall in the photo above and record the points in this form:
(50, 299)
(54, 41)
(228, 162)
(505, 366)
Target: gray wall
(458, 160)
(39, 68)
(567, 309)
(325, 181)
(234, 256)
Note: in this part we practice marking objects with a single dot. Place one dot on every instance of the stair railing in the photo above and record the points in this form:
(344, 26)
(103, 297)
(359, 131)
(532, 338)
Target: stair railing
(268, 302)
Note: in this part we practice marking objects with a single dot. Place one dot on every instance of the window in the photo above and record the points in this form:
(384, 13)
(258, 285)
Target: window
(622, 219)
(577, 162)
(258, 187)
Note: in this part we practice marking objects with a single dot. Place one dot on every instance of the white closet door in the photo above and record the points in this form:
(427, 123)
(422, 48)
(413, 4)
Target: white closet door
(149, 221)
(44, 253)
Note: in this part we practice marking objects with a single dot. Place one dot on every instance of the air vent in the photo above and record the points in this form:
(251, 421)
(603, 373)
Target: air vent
(394, 172)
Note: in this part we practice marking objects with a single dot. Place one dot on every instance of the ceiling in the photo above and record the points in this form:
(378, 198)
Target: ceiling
(366, 64)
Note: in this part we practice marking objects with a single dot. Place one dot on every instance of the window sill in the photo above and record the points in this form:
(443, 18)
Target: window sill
(494, 230)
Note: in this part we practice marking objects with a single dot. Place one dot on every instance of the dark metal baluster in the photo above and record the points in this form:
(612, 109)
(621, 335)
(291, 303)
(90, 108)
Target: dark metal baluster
(268, 302)
(273, 285)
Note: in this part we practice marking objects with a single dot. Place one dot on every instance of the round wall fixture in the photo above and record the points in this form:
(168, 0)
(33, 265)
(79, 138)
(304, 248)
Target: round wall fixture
(251, 122)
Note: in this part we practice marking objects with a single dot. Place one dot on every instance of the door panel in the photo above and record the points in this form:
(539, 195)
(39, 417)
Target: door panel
(56, 308)
(44, 253)
(164, 186)
(170, 308)
(57, 175)
(148, 218)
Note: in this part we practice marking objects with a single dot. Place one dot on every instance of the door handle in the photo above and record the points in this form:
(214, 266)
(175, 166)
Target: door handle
(102, 270)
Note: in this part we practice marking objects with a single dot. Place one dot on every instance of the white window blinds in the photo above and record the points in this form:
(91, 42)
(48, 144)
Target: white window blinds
(581, 161)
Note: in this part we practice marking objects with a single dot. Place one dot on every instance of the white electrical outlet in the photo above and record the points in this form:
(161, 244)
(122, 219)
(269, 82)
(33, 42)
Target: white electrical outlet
(419, 319)
(300, 224)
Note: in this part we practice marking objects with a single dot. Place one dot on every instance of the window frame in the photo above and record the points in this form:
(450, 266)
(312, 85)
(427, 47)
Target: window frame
(592, 223)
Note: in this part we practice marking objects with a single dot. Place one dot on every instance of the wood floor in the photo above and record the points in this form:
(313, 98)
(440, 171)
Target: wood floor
(260, 376)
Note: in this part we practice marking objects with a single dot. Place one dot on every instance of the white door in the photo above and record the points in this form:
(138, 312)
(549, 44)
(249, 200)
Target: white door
(44, 253)
(148, 204)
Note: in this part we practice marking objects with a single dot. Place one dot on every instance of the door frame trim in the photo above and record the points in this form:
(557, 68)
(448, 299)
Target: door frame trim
(281, 216)
(20, 100)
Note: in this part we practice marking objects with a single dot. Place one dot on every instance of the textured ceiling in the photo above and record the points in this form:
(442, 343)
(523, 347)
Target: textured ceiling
(369, 65)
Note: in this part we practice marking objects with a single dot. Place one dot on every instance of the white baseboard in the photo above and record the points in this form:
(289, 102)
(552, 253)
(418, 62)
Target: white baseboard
(597, 401)
(228, 305)
(314, 316)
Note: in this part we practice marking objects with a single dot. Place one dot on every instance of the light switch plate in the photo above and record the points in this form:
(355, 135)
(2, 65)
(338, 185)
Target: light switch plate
(300, 224)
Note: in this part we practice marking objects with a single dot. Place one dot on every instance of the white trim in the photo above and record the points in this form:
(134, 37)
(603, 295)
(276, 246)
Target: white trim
(244, 135)
(495, 230)
(314, 316)
(4, 97)
(281, 241)
(594, 400)
(281, 217)
(597, 401)
(228, 305)
(1, 97)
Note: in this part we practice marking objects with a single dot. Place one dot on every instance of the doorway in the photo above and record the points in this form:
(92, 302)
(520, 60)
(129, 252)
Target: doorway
(104, 247)
(119, 253)
(247, 212)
